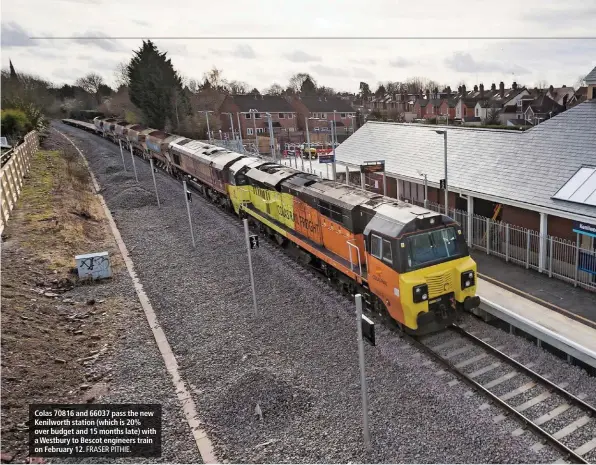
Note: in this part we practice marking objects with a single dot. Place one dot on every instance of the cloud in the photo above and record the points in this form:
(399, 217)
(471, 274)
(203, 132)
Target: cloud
(328, 71)
(465, 63)
(99, 39)
(561, 17)
(141, 23)
(364, 61)
(400, 62)
(14, 35)
(363, 73)
(244, 51)
(298, 56)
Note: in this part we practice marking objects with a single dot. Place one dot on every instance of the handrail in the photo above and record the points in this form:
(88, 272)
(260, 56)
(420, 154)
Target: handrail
(350, 245)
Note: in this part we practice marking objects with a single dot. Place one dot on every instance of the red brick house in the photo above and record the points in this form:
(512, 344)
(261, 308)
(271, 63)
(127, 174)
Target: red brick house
(283, 116)
(420, 108)
(320, 111)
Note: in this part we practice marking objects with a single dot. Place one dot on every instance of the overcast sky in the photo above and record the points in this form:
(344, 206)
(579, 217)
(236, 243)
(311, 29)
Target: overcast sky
(340, 62)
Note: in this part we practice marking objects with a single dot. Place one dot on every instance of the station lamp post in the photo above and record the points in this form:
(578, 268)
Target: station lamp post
(240, 131)
(231, 122)
(207, 118)
(253, 112)
(444, 132)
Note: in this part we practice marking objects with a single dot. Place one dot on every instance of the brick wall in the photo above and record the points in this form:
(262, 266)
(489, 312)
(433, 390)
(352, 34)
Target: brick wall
(521, 217)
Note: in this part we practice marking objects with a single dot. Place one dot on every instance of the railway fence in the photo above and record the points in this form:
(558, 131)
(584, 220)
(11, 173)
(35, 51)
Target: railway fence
(565, 259)
(14, 172)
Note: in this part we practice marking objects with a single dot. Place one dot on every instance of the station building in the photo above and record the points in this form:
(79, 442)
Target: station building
(529, 196)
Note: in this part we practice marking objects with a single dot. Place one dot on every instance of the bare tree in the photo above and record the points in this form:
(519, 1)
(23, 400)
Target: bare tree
(92, 84)
(297, 81)
(581, 82)
(121, 74)
(238, 87)
(542, 84)
(194, 86)
(275, 89)
(214, 79)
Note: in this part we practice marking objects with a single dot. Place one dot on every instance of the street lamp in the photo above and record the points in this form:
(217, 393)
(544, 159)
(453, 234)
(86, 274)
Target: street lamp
(444, 132)
(352, 117)
(271, 138)
(425, 188)
(254, 122)
(334, 141)
(207, 118)
(240, 131)
(231, 122)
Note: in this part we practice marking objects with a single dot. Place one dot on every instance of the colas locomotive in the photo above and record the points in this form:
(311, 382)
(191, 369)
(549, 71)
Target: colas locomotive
(408, 262)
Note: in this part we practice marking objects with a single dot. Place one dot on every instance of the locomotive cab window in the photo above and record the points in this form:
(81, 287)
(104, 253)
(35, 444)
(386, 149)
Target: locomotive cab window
(176, 158)
(375, 246)
(387, 256)
(433, 247)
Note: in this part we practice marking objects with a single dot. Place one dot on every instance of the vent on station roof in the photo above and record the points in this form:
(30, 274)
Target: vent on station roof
(183, 142)
(581, 188)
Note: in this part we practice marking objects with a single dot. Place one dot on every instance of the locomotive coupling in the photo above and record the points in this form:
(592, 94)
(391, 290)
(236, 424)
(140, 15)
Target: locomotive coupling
(471, 302)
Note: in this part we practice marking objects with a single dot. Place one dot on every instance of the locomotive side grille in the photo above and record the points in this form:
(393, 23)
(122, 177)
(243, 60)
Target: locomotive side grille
(439, 284)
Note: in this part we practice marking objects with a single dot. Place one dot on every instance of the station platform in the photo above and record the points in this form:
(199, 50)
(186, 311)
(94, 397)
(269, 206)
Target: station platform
(568, 335)
(556, 295)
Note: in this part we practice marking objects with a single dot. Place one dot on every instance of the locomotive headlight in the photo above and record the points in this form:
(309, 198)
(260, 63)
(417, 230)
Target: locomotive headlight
(467, 279)
(420, 293)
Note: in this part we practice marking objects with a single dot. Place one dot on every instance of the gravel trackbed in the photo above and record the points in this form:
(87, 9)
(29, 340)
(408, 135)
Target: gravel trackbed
(298, 360)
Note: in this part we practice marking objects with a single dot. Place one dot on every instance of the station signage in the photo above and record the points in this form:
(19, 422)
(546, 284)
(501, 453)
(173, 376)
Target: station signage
(584, 228)
(373, 167)
(326, 158)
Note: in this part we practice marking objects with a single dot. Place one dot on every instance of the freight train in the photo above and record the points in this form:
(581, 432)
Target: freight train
(410, 264)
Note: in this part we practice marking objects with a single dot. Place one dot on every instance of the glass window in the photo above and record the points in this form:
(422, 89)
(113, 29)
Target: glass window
(281, 116)
(247, 115)
(249, 131)
(387, 251)
(432, 246)
(343, 115)
(324, 115)
(257, 116)
(375, 246)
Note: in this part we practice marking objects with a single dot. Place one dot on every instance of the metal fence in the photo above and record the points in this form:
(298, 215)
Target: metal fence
(562, 259)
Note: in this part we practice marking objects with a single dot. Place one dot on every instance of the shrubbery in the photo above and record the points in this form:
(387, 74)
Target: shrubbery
(15, 124)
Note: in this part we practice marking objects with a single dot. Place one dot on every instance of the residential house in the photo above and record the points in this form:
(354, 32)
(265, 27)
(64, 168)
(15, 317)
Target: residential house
(561, 95)
(591, 83)
(448, 107)
(251, 110)
(542, 108)
(321, 111)
(420, 107)
(578, 97)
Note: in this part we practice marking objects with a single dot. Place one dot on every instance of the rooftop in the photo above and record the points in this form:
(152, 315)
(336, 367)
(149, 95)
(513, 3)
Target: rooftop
(492, 164)
(326, 104)
(262, 103)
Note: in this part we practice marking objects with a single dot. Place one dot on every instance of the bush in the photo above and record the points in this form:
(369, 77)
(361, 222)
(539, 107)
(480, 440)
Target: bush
(15, 124)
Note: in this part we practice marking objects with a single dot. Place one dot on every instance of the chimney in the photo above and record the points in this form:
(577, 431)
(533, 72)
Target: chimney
(463, 90)
(564, 86)
(493, 87)
(481, 90)
(502, 89)
(427, 94)
(514, 85)
(551, 89)
(459, 89)
(475, 88)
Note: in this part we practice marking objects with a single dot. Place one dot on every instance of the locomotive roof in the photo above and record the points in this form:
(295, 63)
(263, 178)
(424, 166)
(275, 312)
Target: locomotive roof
(342, 195)
(393, 216)
(246, 161)
(222, 160)
(300, 181)
(198, 149)
(276, 174)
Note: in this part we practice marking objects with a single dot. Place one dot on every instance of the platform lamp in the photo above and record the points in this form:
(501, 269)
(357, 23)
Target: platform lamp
(207, 118)
(444, 132)
(253, 112)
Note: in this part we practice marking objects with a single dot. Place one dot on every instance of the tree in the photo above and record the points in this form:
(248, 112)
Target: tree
(302, 82)
(492, 117)
(238, 87)
(155, 86)
(92, 84)
(581, 82)
(275, 89)
(380, 91)
(326, 91)
(542, 84)
(121, 74)
(214, 79)
(365, 92)
(255, 91)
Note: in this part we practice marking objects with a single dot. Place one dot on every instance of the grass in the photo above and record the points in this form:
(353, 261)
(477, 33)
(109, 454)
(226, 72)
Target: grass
(58, 207)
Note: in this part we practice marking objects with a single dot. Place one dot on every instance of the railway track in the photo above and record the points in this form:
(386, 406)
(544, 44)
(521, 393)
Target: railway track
(474, 365)
(492, 356)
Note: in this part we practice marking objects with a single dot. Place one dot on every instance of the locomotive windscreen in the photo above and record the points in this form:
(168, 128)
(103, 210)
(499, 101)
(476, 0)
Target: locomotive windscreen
(435, 246)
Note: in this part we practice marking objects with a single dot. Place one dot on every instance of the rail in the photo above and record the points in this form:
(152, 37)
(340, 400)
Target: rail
(350, 246)
(569, 347)
(515, 411)
(13, 174)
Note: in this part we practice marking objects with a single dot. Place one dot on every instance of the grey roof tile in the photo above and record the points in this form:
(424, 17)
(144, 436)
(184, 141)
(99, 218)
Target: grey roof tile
(591, 75)
(528, 166)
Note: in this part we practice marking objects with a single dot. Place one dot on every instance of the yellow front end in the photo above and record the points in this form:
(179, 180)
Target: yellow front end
(440, 292)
